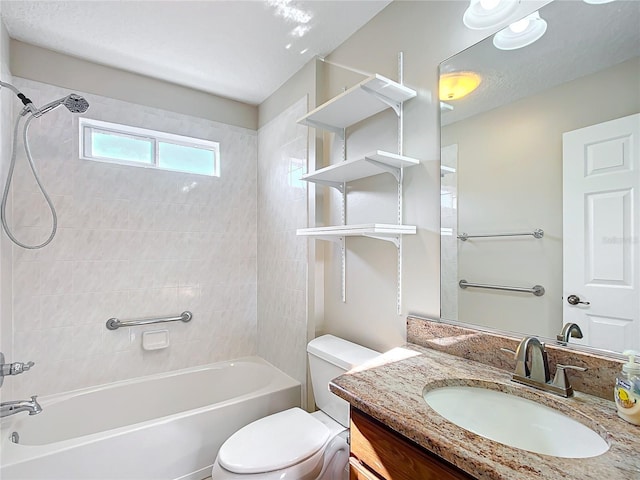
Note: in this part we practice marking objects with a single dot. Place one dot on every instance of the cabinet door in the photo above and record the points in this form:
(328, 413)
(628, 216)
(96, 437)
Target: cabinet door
(393, 457)
(357, 471)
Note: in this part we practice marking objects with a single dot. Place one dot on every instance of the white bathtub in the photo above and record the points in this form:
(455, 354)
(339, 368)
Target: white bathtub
(167, 426)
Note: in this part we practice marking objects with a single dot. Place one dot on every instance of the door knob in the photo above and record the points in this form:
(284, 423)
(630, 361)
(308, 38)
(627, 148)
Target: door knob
(575, 300)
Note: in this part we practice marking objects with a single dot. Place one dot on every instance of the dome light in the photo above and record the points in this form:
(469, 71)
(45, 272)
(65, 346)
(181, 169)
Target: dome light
(456, 85)
(521, 33)
(483, 14)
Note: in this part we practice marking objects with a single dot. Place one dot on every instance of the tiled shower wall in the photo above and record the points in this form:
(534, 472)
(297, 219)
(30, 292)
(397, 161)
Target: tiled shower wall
(132, 242)
(282, 256)
(6, 99)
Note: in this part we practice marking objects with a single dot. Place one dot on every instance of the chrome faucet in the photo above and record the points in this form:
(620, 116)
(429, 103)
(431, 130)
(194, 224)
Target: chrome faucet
(538, 368)
(532, 369)
(569, 330)
(11, 408)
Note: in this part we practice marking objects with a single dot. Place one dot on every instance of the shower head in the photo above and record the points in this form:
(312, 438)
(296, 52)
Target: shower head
(74, 103)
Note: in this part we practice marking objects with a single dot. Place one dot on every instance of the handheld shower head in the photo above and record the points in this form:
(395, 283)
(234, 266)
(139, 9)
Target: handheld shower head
(74, 103)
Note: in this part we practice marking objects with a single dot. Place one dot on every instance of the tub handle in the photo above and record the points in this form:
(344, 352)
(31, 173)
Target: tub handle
(114, 323)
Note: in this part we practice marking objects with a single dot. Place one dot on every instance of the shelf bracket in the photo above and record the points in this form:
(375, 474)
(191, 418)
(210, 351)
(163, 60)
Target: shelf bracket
(394, 240)
(395, 171)
(340, 132)
(337, 185)
(386, 100)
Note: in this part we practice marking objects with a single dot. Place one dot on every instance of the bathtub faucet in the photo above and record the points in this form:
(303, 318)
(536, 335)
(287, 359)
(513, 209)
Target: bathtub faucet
(11, 408)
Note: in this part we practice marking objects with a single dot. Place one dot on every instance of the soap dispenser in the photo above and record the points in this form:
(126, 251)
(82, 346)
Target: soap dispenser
(627, 389)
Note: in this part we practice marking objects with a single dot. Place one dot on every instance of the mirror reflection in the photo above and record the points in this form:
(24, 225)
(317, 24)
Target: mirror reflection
(540, 180)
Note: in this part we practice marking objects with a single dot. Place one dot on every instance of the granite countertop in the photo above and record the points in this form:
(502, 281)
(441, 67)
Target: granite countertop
(390, 389)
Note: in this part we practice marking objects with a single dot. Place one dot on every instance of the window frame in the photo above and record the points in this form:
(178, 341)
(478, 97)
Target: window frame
(87, 125)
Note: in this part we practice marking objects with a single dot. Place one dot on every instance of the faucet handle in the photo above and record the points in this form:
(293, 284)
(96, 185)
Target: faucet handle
(508, 350)
(12, 368)
(20, 367)
(572, 367)
(561, 380)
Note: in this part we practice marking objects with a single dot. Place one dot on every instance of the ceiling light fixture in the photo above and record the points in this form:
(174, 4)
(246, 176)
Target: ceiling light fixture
(521, 33)
(483, 14)
(456, 85)
(598, 2)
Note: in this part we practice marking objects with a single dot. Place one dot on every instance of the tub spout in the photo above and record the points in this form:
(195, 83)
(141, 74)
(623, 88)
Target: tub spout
(11, 408)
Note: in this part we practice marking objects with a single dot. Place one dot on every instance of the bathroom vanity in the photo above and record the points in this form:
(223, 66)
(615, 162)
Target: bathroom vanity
(396, 435)
(378, 451)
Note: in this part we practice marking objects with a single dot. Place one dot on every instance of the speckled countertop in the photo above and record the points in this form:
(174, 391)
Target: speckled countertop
(390, 389)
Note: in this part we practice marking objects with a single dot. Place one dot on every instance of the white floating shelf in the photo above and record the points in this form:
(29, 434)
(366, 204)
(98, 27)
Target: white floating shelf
(361, 101)
(371, 164)
(379, 231)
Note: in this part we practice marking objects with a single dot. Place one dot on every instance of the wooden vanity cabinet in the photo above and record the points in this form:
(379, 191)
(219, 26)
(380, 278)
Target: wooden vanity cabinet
(379, 453)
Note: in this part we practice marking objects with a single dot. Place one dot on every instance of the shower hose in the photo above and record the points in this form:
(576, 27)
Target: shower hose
(7, 185)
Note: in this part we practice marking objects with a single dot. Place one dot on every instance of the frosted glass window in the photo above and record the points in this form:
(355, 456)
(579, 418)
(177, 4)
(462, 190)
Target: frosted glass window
(121, 147)
(186, 158)
(126, 145)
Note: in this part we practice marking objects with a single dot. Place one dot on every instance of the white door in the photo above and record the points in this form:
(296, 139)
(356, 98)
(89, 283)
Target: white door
(601, 252)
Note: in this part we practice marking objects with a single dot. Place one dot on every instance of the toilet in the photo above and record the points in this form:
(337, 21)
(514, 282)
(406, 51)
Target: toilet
(294, 444)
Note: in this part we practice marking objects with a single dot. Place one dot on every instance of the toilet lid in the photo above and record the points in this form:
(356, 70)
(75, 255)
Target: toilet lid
(274, 442)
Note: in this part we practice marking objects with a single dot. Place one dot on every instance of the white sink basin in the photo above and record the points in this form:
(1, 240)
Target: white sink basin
(516, 422)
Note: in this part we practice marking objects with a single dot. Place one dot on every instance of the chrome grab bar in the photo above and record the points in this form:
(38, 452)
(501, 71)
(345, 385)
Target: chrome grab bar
(537, 233)
(114, 323)
(537, 290)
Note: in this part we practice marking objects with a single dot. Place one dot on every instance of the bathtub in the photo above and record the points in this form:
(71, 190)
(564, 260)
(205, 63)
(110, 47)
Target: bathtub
(167, 426)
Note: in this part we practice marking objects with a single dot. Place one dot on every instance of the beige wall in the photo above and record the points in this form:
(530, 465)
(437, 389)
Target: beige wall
(35, 63)
(427, 33)
(301, 84)
(514, 183)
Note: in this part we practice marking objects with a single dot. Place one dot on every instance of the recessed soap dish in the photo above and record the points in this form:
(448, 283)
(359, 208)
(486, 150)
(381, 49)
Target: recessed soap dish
(155, 339)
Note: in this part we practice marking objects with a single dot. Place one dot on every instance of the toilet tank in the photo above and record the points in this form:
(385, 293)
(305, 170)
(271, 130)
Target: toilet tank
(330, 357)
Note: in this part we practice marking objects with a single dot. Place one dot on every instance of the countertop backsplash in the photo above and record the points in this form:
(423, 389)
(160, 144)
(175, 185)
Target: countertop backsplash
(484, 347)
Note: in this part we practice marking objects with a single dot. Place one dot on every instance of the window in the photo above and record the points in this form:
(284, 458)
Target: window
(125, 145)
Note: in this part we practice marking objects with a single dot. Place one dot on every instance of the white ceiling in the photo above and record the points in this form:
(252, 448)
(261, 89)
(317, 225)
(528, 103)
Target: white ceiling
(235, 49)
(581, 39)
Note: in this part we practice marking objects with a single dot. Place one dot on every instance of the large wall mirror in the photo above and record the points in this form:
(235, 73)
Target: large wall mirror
(540, 186)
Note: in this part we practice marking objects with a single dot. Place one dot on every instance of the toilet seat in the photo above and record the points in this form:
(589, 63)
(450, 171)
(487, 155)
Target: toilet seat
(274, 443)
